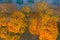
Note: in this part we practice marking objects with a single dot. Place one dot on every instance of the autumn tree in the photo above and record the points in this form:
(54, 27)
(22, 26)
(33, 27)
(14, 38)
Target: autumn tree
(45, 23)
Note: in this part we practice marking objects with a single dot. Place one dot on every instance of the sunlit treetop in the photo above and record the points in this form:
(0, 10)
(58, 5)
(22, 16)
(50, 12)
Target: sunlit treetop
(26, 9)
(41, 6)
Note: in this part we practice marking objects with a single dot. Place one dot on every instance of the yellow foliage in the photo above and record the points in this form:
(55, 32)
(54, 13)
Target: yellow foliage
(3, 31)
(18, 14)
(15, 37)
(45, 18)
(55, 18)
(49, 11)
(25, 9)
(18, 18)
(15, 26)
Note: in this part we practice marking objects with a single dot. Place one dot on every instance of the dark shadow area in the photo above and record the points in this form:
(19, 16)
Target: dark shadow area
(58, 38)
(28, 36)
(1, 39)
(59, 27)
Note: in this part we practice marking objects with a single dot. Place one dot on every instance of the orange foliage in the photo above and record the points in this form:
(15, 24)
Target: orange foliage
(33, 27)
(48, 29)
(14, 26)
(18, 23)
(3, 36)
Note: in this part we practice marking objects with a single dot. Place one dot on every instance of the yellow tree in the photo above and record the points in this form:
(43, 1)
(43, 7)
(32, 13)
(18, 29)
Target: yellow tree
(13, 26)
(46, 20)
(18, 24)
(48, 26)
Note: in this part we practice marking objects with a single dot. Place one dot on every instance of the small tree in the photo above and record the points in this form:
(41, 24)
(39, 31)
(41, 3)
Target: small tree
(26, 10)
